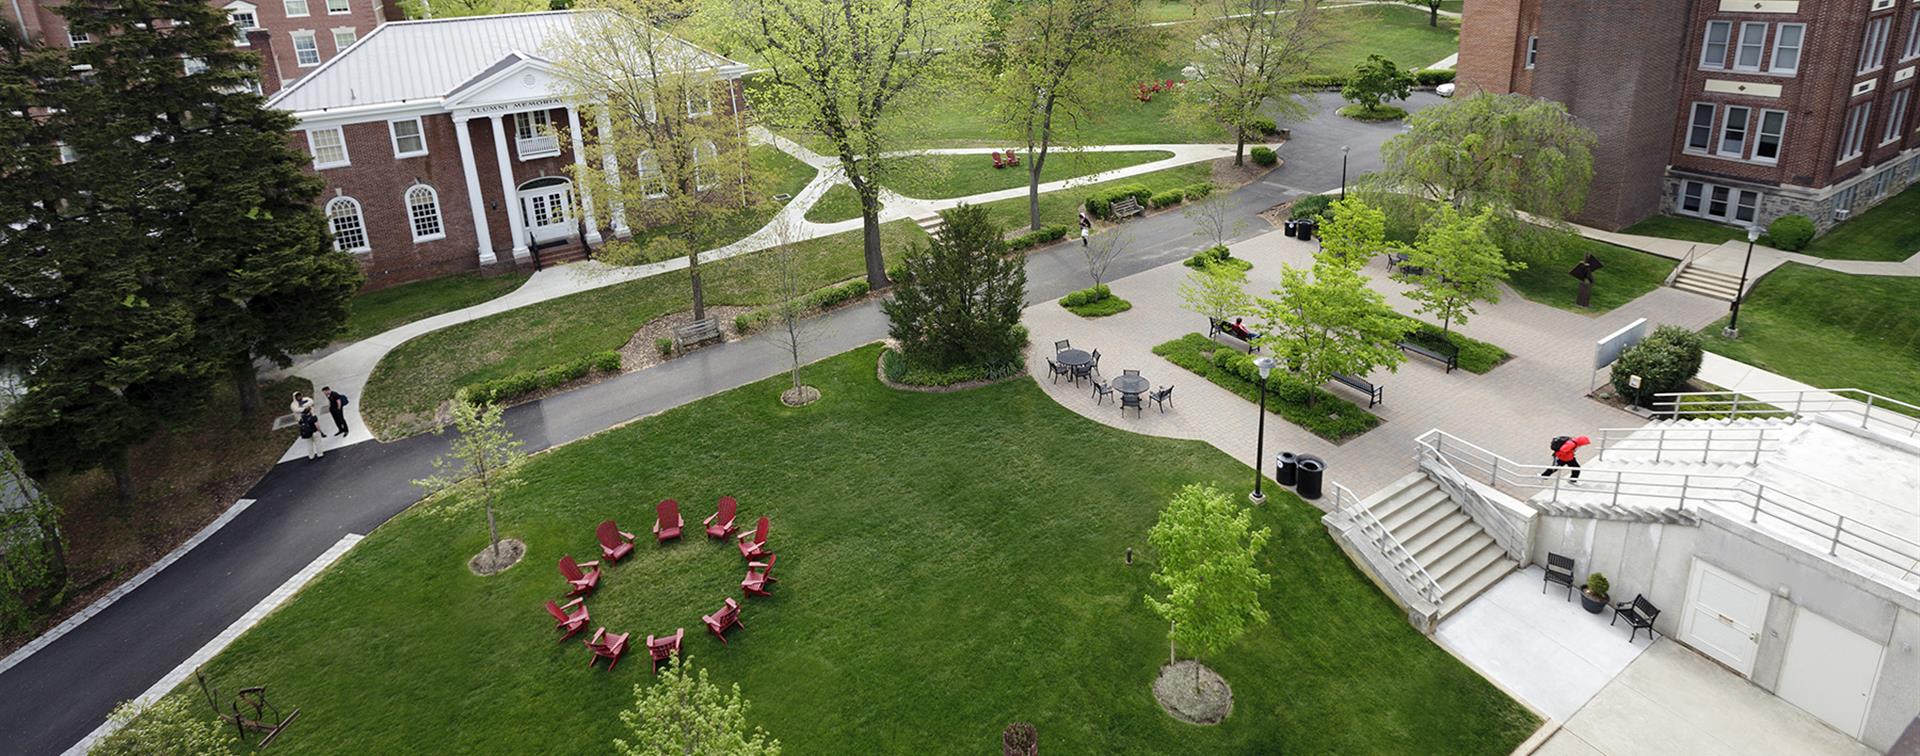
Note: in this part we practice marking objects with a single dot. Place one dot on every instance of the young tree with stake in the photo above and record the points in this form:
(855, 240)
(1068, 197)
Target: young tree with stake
(484, 453)
(1460, 265)
(1102, 250)
(792, 329)
(1214, 215)
(1208, 552)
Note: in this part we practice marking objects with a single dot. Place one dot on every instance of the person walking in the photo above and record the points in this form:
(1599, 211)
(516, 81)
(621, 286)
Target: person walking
(310, 430)
(336, 406)
(1564, 449)
(303, 406)
(1086, 228)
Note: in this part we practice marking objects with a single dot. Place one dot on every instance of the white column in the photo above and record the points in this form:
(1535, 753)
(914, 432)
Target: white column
(475, 204)
(580, 164)
(611, 164)
(510, 197)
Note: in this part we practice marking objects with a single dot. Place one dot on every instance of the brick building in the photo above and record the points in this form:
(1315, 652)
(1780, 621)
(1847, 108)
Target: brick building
(445, 145)
(1734, 111)
(302, 34)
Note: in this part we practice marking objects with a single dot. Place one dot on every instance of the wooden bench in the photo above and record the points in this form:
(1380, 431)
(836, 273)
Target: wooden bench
(697, 332)
(1375, 394)
(1218, 327)
(1125, 207)
(1450, 360)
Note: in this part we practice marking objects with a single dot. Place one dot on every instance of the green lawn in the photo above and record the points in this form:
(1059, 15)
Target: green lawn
(1398, 33)
(1063, 207)
(415, 377)
(839, 203)
(1686, 229)
(1627, 274)
(1831, 330)
(951, 563)
(947, 176)
(1889, 231)
(783, 174)
(382, 310)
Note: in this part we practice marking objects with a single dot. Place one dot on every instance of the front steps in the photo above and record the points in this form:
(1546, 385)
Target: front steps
(1708, 283)
(1442, 540)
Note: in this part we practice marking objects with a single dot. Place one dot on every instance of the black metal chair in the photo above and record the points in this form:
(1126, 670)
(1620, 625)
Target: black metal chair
(1129, 372)
(1640, 614)
(1057, 371)
(1131, 400)
(1061, 346)
(1559, 571)
(1101, 391)
(1163, 397)
(1081, 371)
(1096, 361)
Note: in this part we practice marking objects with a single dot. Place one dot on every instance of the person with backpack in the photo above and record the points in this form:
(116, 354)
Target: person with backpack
(336, 406)
(1564, 449)
(310, 430)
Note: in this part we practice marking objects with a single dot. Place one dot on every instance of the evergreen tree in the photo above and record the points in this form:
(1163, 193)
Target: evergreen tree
(958, 303)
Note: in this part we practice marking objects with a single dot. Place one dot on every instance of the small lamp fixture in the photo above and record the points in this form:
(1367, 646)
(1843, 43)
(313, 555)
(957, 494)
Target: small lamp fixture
(1266, 365)
(1129, 556)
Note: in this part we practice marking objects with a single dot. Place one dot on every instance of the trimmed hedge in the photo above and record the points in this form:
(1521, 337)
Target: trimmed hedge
(1665, 360)
(818, 299)
(1433, 77)
(1310, 206)
(899, 368)
(1167, 198)
(1100, 204)
(1263, 156)
(1263, 126)
(1095, 302)
(1330, 417)
(1197, 191)
(1218, 255)
(1474, 356)
(520, 384)
(1031, 239)
(1424, 78)
(1791, 232)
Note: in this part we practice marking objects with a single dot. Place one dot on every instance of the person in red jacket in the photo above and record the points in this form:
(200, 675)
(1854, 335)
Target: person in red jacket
(1564, 449)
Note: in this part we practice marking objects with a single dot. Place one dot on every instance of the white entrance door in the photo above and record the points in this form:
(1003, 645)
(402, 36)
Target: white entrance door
(1830, 671)
(548, 211)
(1724, 616)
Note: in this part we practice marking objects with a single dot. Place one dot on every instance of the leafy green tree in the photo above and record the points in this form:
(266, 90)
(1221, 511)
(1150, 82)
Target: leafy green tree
(1460, 264)
(460, 8)
(1250, 54)
(1376, 80)
(33, 551)
(167, 727)
(1217, 291)
(1510, 152)
(1433, 10)
(682, 714)
(1060, 62)
(1353, 231)
(484, 453)
(959, 299)
(851, 72)
(1208, 552)
(1325, 320)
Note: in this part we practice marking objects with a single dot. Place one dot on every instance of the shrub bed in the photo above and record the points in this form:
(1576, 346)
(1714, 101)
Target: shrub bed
(1379, 114)
(1197, 191)
(520, 384)
(1216, 255)
(1791, 232)
(1167, 198)
(1100, 204)
(1264, 156)
(1330, 417)
(818, 299)
(901, 368)
(1095, 302)
(1474, 356)
(1310, 206)
(1031, 239)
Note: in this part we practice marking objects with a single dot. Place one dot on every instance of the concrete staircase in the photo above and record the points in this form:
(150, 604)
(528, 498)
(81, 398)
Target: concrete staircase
(1443, 540)
(1708, 283)
(931, 224)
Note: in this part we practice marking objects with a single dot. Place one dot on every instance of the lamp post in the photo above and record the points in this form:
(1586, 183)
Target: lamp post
(1732, 331)
(1265, 364)
(1344, 149)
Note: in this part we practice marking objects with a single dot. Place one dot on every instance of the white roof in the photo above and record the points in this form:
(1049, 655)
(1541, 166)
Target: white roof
(421, 62)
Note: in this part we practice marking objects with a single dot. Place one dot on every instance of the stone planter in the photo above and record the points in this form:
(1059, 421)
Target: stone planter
(1590, 603)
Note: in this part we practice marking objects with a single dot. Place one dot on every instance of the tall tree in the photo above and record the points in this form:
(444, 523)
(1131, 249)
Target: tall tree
(1217, 291)
(1459, 265)
(1250, 54)
(484, 453)
(959, 299)
(1353, 232)
(681, 152)
(1325, 320)
(1510, 152)
(1433, 10)
(850, 71)
(1060, 61)
(1208, 553)
(682, 714)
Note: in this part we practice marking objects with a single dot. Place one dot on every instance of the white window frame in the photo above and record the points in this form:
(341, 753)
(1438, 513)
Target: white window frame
(1698, 196)
(647, 169)
(415, 214)
(1753, 38)
(234, 12)
(313, 147)
(533, 136)
(1761, 136)
(1728, 126)
(312, 42)
(76, 40)
(1726, 45)
(700, 89)
(191, 65)
(1913, 38)
(419, 132)
(712, 153)
(1854, 138)
(1779, 43)
(1722, 195)
(1873, 45)
(289, 5)
(1533, 51)
(352, 37)
(360, 224)
(346, 7)
(1896, 116)
(1748, 201)
(1694, 126)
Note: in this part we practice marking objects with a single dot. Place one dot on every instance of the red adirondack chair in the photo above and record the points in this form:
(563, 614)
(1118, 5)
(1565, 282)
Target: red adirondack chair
(665, 648)
(607, 646)
(1013, 158)
(614, 542)
(666, 520)
(997, 162)
(580, 583)
(720, 524)
(754, 544)
(728, 616)
(568, 624)
(759, 577)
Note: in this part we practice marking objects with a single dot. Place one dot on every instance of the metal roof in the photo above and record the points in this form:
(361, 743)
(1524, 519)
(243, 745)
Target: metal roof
(421, 62)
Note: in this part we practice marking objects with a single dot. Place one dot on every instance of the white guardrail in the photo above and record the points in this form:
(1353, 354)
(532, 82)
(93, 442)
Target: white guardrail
(1692, 443)
(1863, 408)
(1406, 575)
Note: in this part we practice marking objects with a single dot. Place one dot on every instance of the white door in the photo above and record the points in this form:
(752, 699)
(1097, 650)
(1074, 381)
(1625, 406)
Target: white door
(1724, 616)
(548, 212)
(1830, 671)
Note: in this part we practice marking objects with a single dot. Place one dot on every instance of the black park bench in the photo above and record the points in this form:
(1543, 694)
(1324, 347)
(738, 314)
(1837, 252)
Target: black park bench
(1218, 327)
(1450, 360)
(1375, 394)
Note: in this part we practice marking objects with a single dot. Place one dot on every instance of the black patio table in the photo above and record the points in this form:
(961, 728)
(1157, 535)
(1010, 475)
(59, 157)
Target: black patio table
(1073, 358)
(1131, 384)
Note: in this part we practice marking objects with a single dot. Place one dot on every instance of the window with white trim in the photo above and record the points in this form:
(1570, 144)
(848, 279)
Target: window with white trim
(1873, 47)
(652, 180)
(68, 154)
(409, 137)
(296, 8)
(1533, 51)
(1700, 129)
(344, 37)
(1877, 186)
(1717, 197)
(1746, 206)
(1690, 197)
(1787, 41)
(329, 147)
(1753, 42)
(533, 134)
(1843, 200)
(244, 20)
(1853, 140)
(703, 157)
(1896, 116)
(1733, 132)
(306, 51)
(348, 227)
(1713, 53)
(423, 212)
(193, 65)
(1767, 139)
(75, 39)
(1913, 38)
(337, 7)
(699, 100)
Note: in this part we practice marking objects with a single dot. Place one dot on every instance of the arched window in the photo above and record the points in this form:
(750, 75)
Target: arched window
(349, 230)
(652, 179)
(423, 210)
(703, 157)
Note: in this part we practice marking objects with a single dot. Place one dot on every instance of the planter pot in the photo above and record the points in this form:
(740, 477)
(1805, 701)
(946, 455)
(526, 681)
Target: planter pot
(1591, 604)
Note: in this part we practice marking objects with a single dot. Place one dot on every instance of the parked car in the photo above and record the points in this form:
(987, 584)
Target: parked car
(1444, 90)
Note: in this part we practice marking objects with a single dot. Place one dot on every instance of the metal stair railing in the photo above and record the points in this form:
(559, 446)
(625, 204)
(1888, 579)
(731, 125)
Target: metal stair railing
(1692, 443)
(1405, 575)
(1867, 409)
(1482, 510)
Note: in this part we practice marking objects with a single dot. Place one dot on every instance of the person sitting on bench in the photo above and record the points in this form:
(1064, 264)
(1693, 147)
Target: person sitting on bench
(1239, 331)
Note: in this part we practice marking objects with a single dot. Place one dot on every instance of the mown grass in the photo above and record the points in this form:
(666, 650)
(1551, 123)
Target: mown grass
(949, 563)
(947, 176)
(1794, 323)
(1063, 207)
(1686, 229)
(1890, 231)
(1626, 274)
(382, 310)
(1397, 33)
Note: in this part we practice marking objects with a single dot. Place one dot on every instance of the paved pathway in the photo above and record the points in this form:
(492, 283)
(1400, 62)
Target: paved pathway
(1728, 257)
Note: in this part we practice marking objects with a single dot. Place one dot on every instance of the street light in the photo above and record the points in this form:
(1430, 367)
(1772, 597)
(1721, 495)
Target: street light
(1732, 331)
(1265, 364)
(1344, 149)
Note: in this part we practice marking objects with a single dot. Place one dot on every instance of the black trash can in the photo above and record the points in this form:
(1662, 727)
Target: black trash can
(1284, 467)
(1306, 229)
(1311, 470)
(1290, 227)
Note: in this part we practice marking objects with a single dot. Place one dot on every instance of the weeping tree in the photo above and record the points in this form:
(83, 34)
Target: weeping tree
(675, 156)
(1250, 55)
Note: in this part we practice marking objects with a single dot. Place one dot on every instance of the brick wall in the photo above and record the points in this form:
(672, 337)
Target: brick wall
(44, 23)
(1488, 33)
